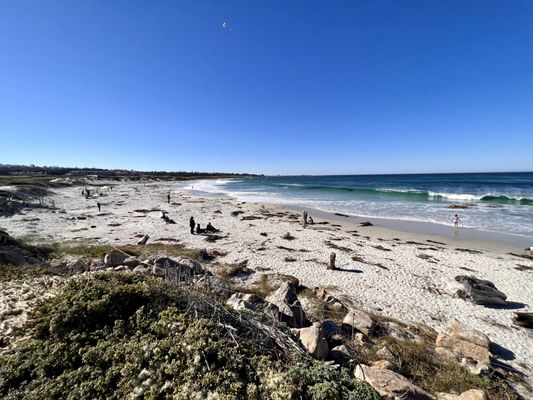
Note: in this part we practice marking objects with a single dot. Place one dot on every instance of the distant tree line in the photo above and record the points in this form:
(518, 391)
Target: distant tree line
(7, 169)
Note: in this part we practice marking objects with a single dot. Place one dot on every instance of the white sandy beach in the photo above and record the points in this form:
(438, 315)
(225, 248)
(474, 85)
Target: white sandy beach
(387, 272)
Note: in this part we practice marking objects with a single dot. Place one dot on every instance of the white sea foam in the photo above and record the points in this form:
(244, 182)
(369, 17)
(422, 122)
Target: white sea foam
(455, 196)
(207, 185)
(504, 218)
(388, 190)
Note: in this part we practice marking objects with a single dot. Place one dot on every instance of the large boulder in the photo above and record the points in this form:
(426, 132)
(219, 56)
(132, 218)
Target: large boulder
(469, 346)
(11, 257)
(341, 354)
(389, 384)
(182, 269)
(194, 266)
(472, 394)
(289, 306)
(77, 267)
(313, 340)
(359, 320)
(385, 354)
(114, 259)
(131, 262)
(478, 291)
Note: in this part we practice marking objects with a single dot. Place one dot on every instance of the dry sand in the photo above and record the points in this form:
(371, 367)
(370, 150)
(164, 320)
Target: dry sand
(397, 274)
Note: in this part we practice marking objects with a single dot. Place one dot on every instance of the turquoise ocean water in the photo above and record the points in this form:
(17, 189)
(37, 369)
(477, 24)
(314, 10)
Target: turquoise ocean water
(497, 202)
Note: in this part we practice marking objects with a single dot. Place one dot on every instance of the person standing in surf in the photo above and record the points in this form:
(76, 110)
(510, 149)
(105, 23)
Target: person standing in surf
(456, 221)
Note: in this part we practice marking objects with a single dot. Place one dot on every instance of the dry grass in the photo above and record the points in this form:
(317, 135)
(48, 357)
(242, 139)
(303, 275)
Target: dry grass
(230, 271)
(98, 251)
(318, 310)
(261, 287)
(418, 362)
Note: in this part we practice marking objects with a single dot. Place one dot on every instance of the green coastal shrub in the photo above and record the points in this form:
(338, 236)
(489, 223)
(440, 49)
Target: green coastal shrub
(125, 336)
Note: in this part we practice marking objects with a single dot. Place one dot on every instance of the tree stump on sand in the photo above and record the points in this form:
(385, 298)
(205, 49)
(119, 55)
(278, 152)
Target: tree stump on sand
(331, 264)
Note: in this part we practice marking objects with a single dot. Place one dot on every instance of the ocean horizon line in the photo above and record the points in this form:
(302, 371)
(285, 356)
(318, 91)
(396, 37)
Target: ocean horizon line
(397, 174)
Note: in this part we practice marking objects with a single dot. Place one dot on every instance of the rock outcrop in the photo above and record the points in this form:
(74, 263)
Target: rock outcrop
(13, 252)
(77, 267)
(131, 262)
(359, 320)
(389, 384)
(340, 354)
(114, 259)
(466, 345)
(11, 257)
(180, 270)
(312, 338)
(478, 291)
(472, 394)
(289, 306)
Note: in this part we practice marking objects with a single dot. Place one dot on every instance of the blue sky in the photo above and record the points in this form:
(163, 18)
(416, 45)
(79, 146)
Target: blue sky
(287, 87)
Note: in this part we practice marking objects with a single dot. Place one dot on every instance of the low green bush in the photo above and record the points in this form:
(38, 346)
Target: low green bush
(121, 336)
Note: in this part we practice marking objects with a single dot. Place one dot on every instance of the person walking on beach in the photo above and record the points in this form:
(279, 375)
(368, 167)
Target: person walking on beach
(168, 197)
(305, 219)
(192, 224)
(99, 206)
(456, 221)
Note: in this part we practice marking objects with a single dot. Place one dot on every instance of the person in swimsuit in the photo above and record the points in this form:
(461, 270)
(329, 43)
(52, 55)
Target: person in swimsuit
(456, 221)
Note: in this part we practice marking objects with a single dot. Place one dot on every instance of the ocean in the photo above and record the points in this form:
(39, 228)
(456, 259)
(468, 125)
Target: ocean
(494, 202)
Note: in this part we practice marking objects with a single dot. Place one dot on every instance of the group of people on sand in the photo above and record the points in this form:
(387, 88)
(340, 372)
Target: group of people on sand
(199, 230)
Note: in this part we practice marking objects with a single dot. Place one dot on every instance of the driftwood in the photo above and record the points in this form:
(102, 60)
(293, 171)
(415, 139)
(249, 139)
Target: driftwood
(143, 240)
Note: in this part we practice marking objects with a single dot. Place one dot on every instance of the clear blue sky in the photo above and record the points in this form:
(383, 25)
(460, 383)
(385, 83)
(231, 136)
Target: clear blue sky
(305, 86)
